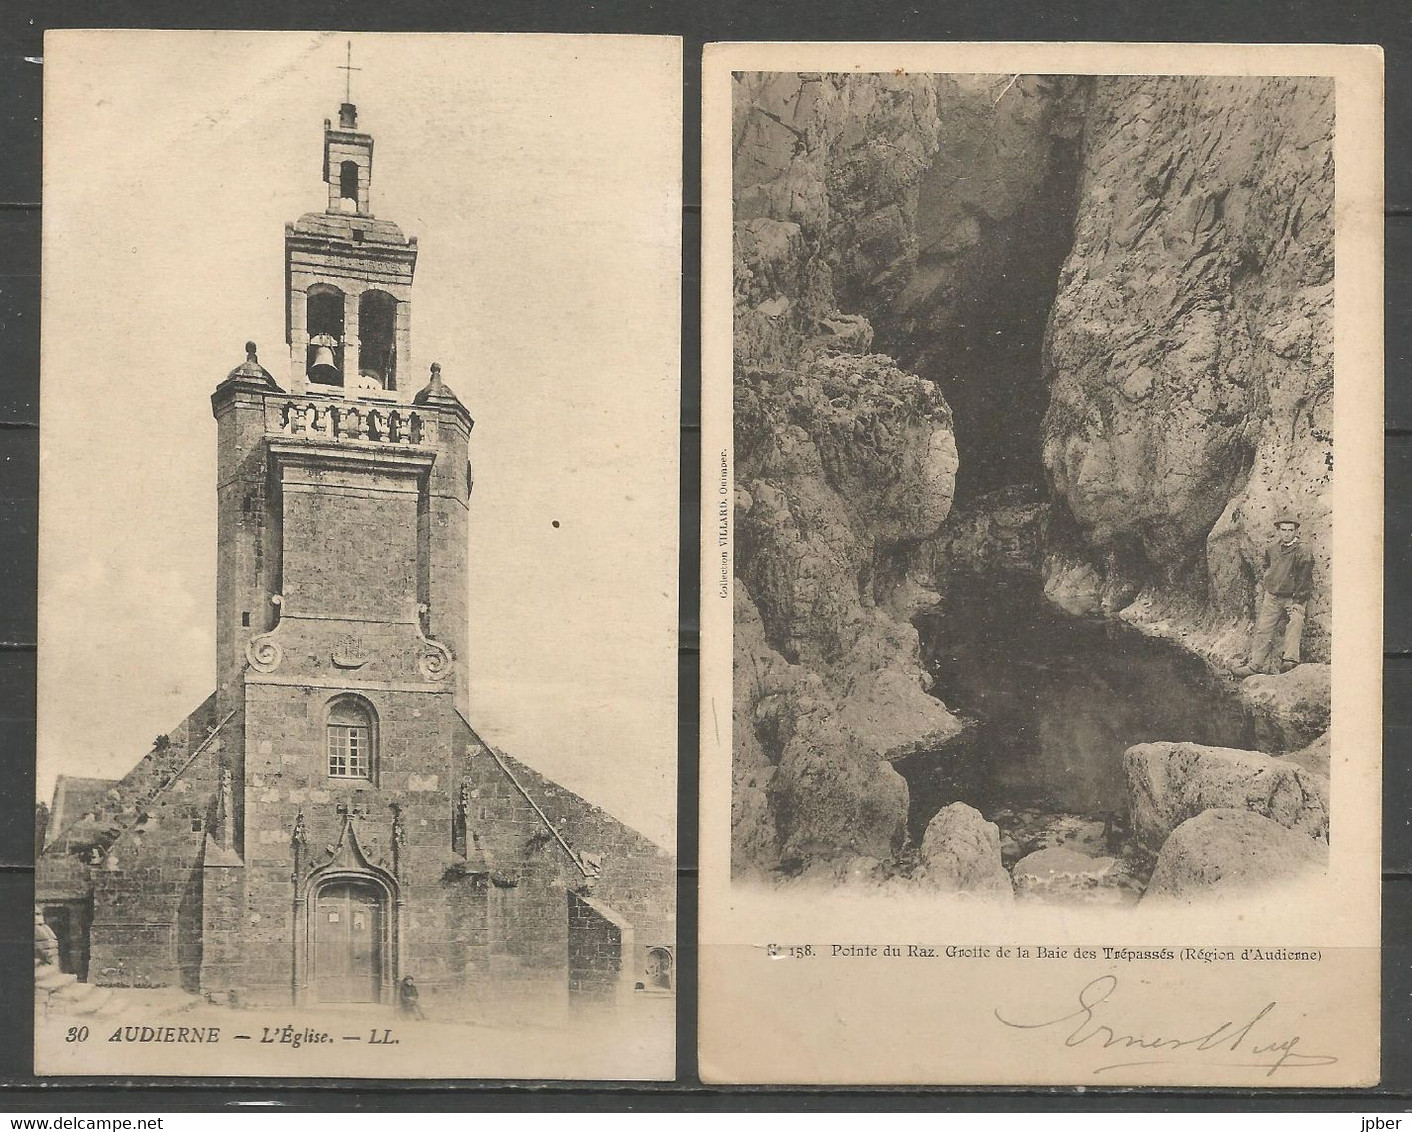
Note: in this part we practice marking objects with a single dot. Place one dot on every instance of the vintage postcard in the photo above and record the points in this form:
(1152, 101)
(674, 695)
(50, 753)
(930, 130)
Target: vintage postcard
(1042, 546)
(353, 760)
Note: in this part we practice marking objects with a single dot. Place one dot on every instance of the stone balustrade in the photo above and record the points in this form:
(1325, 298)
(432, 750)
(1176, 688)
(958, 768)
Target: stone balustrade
(317, 419)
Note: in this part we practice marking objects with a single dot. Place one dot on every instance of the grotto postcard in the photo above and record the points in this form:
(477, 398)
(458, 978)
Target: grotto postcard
(357, 663)
(1042, 544)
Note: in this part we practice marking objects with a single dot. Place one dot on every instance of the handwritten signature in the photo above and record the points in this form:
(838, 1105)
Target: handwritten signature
(1227, 1038)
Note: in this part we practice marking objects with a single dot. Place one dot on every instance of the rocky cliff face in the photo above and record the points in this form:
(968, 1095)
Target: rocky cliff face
(1119, 288)
(1190, 352)
(843, 462)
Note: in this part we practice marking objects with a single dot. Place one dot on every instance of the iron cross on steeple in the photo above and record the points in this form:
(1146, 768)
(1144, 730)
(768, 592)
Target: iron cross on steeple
(348, 78)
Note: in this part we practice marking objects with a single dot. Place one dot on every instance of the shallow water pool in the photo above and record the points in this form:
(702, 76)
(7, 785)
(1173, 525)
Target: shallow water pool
(1054, 701)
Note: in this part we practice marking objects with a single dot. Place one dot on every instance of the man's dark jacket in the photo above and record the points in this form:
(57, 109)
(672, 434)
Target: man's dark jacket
(1289, 571)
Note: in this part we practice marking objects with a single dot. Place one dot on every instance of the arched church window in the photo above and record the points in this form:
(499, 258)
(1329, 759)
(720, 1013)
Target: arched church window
(325, 327)
(377, 350)
(348, 185)
(352, 738)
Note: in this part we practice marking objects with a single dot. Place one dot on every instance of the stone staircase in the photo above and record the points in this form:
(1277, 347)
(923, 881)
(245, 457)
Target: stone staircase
(58, 993)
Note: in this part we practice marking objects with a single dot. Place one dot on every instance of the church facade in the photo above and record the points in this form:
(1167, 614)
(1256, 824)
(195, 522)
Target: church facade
(328, 821)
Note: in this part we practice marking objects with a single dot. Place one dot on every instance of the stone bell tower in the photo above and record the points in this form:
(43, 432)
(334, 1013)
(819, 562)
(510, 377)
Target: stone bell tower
(348, 279)
(341, 621)
(396, 462)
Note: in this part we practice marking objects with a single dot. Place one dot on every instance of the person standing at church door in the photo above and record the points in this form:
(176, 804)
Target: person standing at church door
(1284, 591)
(408, 1004)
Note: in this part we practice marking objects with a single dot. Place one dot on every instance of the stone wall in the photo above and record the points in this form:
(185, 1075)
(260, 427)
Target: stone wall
(147, 908)
(444, 543)
(350, 542)
(485, 929)
(61, 876)
(126, 799)
(247, 534)
(637, 878)
(599, 947)
(221, 953)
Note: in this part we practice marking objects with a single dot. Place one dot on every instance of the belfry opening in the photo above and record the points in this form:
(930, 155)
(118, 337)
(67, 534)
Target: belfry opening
(325, 327)
(377, 345)
(348, 186)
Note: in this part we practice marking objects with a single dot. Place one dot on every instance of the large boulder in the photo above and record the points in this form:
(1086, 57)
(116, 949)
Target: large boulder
(1293, 706)
(831, 798)
(803, 789)
(806, 787)
(1316, 757)
(1168, 783)
(961, 853)
(1062, 874)
(839, 461)
(1229, 853)
(890, 714)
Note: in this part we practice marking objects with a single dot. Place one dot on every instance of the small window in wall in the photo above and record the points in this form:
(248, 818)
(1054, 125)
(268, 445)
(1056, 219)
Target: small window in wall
(350, 739)
(348, 185)
(660, 973)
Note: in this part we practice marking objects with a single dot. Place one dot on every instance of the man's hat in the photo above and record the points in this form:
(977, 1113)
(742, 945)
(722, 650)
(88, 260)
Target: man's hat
(1283, 519)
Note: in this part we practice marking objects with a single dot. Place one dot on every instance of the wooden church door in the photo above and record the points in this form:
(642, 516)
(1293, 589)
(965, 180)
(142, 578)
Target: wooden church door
(348, 943)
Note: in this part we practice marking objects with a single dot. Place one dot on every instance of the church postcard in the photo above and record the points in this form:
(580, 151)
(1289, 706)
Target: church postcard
(359, 556)
(1041, 564)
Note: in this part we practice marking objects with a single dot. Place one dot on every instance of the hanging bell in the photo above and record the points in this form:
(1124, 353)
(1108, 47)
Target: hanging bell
(323, 368)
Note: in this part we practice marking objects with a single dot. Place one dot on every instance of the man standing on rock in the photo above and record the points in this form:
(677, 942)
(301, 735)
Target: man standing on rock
(1285, 588)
